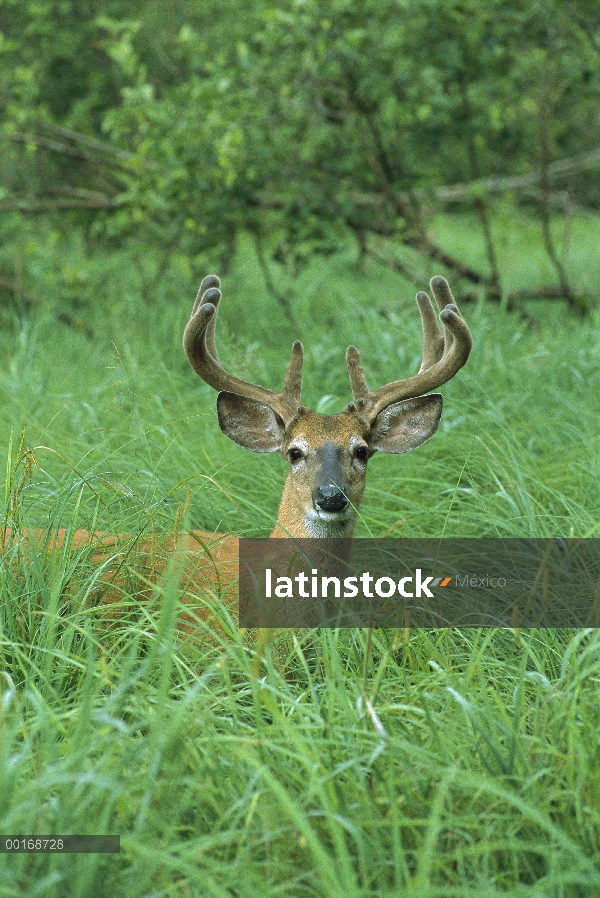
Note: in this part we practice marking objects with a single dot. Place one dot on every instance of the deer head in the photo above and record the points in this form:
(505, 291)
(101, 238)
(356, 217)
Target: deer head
(328, 454)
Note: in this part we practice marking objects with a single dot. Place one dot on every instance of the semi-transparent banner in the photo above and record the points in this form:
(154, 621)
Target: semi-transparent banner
(419, 583)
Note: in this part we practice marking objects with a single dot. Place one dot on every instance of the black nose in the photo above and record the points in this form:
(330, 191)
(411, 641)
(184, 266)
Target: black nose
(329, 498)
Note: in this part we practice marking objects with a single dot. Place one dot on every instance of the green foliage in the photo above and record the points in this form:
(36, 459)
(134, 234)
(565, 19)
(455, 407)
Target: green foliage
(423, 763)
(300, 123)
(441, 763)
(471, 767)
(119, 403)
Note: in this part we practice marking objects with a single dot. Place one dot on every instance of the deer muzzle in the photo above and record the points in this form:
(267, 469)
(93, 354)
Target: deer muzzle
(329, 491)
(329, 498)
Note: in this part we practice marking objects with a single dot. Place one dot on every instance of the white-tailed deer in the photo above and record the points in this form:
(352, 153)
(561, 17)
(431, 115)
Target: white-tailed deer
(327, 454)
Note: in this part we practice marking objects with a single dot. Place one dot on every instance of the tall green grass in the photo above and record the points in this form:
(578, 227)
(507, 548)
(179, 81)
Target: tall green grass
(438, 764)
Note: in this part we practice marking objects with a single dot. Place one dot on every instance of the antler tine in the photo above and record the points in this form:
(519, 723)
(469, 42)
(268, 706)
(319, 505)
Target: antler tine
(444, 299)
(443, 355)
(292, 387)
(358, 382)
(210, 282)
(200, 348)
(433, 340)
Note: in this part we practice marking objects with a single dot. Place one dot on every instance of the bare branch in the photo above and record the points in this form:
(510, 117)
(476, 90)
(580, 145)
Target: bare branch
(282, 298)
(37, 205)
(480, 201)
(78, 324)
(45, 142)
(546, 112)
(75, 152)
(391, 260)
(83, 139)
(562, 168)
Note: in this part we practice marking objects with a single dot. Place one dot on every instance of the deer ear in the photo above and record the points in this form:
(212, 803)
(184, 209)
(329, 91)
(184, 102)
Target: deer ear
(252, 424)
(403, 426)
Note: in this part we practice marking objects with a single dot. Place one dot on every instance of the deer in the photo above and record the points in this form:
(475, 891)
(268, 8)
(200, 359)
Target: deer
(327, 455)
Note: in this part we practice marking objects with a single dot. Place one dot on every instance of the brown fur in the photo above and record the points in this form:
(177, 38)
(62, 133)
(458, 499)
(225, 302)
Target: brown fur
(206, 563)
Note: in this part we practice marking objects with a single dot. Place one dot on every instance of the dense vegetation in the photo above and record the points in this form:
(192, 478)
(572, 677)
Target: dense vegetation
(425, 763)
(431, 764)
(299, 122)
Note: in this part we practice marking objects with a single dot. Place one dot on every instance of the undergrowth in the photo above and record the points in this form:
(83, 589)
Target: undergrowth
(415, 763)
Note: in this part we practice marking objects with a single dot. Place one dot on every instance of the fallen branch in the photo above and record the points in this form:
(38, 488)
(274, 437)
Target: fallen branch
(577, 302)
(562, 168)
(554, 170)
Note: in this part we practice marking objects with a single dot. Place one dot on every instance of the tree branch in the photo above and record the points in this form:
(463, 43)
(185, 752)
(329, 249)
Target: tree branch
(546, 110)
(480, 202)
(37, 205)
(64, 149)
(496, 184)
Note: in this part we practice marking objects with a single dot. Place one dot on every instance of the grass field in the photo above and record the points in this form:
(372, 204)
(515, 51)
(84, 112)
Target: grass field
(429, 764)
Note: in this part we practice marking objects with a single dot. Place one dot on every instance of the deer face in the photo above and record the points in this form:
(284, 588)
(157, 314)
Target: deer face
(327, 455)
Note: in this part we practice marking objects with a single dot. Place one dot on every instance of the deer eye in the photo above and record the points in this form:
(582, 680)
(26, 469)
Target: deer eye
(361, 453)
(294, 455)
